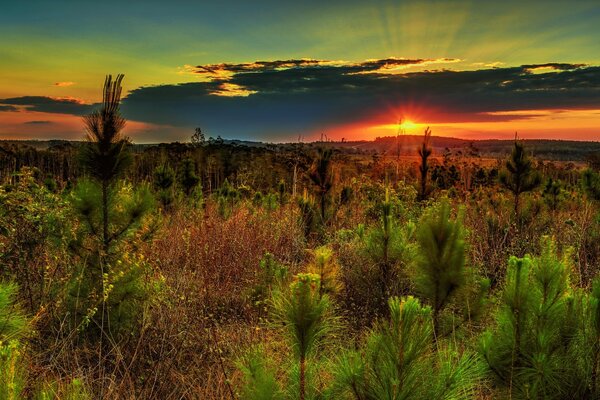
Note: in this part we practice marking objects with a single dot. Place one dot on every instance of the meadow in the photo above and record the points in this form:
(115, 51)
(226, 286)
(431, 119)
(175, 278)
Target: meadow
(216, 270)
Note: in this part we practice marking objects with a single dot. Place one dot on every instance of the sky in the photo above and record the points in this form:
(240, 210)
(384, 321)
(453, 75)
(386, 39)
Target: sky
(295, 70)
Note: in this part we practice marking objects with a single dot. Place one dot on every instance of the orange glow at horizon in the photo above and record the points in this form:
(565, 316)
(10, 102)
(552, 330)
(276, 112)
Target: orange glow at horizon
(530, 124)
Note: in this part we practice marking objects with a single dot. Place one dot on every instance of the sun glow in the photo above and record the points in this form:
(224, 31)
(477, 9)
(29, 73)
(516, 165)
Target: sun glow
(408, 124)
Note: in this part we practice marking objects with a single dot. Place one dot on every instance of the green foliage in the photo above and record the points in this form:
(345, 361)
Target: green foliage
(303, 313)
(187, 176)
(321, 175)
(125, 217)
(552, 193)
(227, 197)
(13, 322)
(325, 266)
(305, 316)
(528, 350)
(108, 289)
(388, 247)
(591, 184)
(12, 371)
(33, 222)
(519, 176)
(271, 275)
(398, 362)
(440, 271)
(164, 178)
(13, 325)
(259, 380)
(308, 214)
(281, 192)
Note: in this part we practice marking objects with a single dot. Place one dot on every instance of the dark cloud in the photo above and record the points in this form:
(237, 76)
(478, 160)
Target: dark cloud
(556, 66)
(37, 122)
(273, 100)
(49, 104)
(312, 95)
(7, 108)
(308, 63)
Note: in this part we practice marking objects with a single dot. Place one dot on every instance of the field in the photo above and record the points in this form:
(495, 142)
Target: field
(215, 270)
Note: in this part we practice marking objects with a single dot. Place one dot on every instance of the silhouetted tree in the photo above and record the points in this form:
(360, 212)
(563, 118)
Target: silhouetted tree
(106, 155)
(164, 178)
(198, 139)
(321, 176)
(424, 153)
(519, 176)
(187, 176)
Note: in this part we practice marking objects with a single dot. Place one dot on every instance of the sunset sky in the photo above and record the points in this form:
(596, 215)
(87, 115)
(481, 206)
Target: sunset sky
(277, 70)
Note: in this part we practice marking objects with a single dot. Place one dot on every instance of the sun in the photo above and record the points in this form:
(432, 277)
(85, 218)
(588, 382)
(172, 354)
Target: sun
(408, 124)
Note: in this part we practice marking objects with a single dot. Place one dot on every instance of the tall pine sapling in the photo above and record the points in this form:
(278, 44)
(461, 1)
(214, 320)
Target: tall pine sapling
(424, 152)
(164, 178)
(552, 193)
(387, 246)
(106, 156)
(591, 184)
(306, 319)
(321, 175)
(308, 214)
(325, 266)
(110, 213)
(440, 269)
(187, 176)
(398, 361)
(528, 350)
(519, 176)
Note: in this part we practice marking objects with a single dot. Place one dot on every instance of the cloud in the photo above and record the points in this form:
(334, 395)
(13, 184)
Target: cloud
(224, 71)
(276, 100)
(57, 105)
(38, 122)
(280, 98)
(62, 84)
(7, 108)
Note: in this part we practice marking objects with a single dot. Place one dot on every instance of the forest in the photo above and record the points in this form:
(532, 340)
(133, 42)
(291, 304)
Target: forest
(218, 270)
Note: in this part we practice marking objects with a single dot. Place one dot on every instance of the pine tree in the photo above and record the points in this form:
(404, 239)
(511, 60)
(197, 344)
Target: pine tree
(528, 350)
(440, 271)
(519, 175)
(321, 175)
(109, 211)
(164, 178)
(325, 266)
(424, 152)
(552, 192)
(591, 184)
(399, 362)
(187, 176)
(106, 156)
(308, 214)
(388, 247)
(306, 319)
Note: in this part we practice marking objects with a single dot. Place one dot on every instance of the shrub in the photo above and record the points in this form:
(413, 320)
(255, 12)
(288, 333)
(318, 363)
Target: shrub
(399, 362)
(528, 350)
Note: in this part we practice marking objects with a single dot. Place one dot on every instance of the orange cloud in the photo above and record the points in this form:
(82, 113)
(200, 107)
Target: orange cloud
(62, 84)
